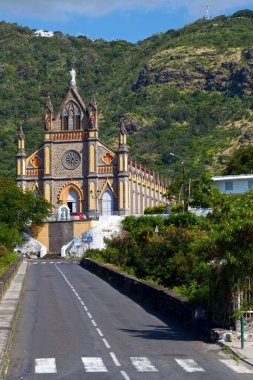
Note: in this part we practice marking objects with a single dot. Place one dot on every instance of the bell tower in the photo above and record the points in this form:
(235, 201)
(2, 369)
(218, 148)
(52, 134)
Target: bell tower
(21, 159)
(92, 143)
(123, 173)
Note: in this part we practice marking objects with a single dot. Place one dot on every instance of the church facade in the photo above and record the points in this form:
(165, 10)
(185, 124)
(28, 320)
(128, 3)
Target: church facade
(77, 172)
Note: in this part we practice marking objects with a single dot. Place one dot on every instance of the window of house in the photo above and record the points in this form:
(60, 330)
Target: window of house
(250, 183)
(229, 186)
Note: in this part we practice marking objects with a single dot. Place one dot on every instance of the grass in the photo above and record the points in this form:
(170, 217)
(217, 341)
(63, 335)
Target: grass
(6, 261)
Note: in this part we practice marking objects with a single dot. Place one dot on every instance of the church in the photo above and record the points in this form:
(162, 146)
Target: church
(80, 174)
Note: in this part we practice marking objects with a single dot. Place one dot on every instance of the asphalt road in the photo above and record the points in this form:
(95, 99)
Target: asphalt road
(73, 325)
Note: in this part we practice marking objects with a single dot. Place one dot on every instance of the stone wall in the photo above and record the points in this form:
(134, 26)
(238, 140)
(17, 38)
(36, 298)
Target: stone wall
(7, 277)
(166, 302)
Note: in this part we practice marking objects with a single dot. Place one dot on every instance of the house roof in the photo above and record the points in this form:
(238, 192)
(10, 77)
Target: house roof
(232, 177)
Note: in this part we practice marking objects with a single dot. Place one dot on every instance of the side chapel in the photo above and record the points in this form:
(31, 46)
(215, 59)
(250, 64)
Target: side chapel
(77, 172)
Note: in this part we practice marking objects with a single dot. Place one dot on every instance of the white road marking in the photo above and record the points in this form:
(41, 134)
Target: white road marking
(115, 360)
(99, 332)
(94, 365)
(236, 367)
(82, 302)
(143, 364)
(44, 262)
(58, 262)
(45, 365)
(85, 308)
(125, 375)
(35, 263)
(94, 323)
(189, 365)
(107, 345)
(51, 262)
(89, 315)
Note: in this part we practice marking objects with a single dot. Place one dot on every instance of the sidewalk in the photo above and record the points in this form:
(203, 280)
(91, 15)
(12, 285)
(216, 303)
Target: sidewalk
(8, 310)
(245, 354)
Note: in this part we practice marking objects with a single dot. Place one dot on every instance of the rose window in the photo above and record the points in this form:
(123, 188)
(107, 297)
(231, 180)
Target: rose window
(71, 159)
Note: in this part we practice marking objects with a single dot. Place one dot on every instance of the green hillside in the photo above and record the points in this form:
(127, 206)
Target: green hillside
(187, 91)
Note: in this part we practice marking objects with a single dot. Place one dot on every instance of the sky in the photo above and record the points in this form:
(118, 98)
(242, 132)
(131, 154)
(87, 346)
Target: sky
(131, 20)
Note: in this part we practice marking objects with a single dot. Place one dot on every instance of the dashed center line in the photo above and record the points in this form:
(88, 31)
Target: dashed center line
(107, 345)
(94, 364)
(99, 332)
(125, 375)
(115, 360)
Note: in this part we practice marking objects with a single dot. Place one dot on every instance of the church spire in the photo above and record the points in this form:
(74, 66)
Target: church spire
(49, 105)
(49, 114)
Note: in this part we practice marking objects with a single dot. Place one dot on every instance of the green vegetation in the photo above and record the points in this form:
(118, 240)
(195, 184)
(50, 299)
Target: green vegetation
(241, 162)
(187, 91)
(19, 211)
(207, 259)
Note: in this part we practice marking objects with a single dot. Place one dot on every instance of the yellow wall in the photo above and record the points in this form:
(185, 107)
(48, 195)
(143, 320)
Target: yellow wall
(19, 168)
(121, 195)
(47, 160)
(47, 194)
(92, 194)
(92, 158)
(79, 227)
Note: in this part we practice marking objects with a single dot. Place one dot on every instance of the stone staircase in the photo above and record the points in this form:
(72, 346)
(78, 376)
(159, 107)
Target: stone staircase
(108, 226)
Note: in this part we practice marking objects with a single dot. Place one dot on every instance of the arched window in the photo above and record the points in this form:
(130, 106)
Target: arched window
(65, 121)
(77, 119)
(107, 203)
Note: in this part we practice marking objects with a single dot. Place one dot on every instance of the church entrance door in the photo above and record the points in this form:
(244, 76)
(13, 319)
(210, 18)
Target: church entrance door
(72, 201)
(107, 203)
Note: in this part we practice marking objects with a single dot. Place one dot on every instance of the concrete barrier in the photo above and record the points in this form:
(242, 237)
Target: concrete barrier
(166, 302)
(7, 277)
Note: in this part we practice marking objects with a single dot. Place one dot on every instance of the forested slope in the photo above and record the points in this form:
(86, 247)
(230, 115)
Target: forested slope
(187, 91)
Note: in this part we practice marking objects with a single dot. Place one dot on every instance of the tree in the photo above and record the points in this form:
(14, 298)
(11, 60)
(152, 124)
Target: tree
(241, 162)
(19, 210)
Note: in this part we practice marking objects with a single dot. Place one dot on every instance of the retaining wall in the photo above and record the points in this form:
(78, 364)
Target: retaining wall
(166, 302)
(7, 277)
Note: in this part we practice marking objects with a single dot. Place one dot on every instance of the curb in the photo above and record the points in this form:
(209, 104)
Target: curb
(243, 359)
(15, 314)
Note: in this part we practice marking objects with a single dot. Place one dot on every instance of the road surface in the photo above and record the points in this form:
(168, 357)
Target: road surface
(73, 325)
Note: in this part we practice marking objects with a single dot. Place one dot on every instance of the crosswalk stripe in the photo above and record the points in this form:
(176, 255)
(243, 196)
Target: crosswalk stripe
(143, 364)
(236, 367)
(189, 365)
(45, 365)
(93, 364)
(35, 263)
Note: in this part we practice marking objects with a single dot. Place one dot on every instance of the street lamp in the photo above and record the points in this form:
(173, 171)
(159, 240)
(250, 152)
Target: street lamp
(96, 197)
(183, 172)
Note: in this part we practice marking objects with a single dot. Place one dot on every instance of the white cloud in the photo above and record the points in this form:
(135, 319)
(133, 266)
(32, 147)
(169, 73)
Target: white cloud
(62, 9)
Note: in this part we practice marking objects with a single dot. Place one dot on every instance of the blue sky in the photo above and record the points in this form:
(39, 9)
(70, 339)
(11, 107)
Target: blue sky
(131, 20)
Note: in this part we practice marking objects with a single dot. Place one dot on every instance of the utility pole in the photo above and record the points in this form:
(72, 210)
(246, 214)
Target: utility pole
(184, 182)
(184, 187)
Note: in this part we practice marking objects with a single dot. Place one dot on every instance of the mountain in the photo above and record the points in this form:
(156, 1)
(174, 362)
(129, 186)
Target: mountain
(187, 91)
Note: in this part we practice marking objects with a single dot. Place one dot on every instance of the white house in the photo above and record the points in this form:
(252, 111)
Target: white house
(43, 33)
(233, 184)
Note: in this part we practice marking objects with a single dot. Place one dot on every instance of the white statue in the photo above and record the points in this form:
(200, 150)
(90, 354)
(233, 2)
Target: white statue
(73, 77)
